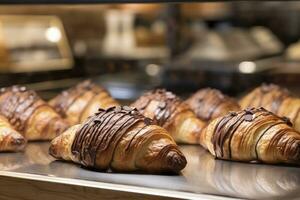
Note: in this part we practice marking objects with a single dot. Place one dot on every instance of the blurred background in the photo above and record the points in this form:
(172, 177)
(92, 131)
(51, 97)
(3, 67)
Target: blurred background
(130, 48)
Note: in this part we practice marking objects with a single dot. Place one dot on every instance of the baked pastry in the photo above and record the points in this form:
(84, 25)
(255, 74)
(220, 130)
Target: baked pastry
(210, 103)
(29, 114)
(253, 135)
(119, 139)
(275, 99)
(167, 110)
(10, 139)
(81, 101)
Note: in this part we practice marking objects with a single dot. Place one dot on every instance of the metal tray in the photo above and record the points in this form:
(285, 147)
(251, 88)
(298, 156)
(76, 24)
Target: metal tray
(203, 178)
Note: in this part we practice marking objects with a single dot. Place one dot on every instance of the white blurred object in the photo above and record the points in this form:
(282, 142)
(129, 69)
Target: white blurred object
(53, 34)
(152, 69)
(247, 67)
(127, 38)
(80, 48)
(234, 44)
(293, 51)
(120, 39)
(266, 40)
(112, 41)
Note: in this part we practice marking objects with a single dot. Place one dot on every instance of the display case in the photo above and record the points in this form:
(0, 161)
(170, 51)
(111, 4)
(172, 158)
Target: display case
(130, 47)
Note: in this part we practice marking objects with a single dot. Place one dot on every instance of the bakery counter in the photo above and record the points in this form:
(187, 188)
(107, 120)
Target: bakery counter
(35, 174)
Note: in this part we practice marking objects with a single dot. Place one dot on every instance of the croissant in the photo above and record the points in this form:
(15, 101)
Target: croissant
(275, 99)
(210, 103)
(168, 111)
(81, 101)
(10, 139)
(253, 134)
(29, 114)
(119, 139)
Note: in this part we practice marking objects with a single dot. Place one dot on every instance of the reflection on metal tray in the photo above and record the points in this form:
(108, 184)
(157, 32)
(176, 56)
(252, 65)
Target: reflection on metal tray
(203, 178)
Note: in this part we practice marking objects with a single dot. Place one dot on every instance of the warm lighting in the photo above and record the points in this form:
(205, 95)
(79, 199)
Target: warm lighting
(247, 67)
(53, 34)
(152, 69)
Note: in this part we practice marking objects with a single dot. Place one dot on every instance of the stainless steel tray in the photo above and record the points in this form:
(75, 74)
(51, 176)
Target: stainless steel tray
(203, 178)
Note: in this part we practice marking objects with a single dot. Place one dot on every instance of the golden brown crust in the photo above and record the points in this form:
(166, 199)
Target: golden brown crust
(168, 111)
(10, 139)
(121, 139)
(291, 109)
(29, 114)
(253, 135)
(210, 103)
(275, 99)
(81, 101)
(269, 96)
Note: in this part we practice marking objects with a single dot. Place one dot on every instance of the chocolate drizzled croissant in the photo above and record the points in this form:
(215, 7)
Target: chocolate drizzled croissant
(275, 99)
(81, 101)
(210, 103)
(10, 139)
(268, 96)
(121, 139)
(167, 110)
(253, 135)
(29, 114)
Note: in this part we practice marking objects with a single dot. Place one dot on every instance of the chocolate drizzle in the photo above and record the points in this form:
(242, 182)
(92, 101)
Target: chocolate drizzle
(168, 107)
(18, 104)
(229, 124)
(207, 101)
(104, 129)
(66, 99)
(218, 138)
